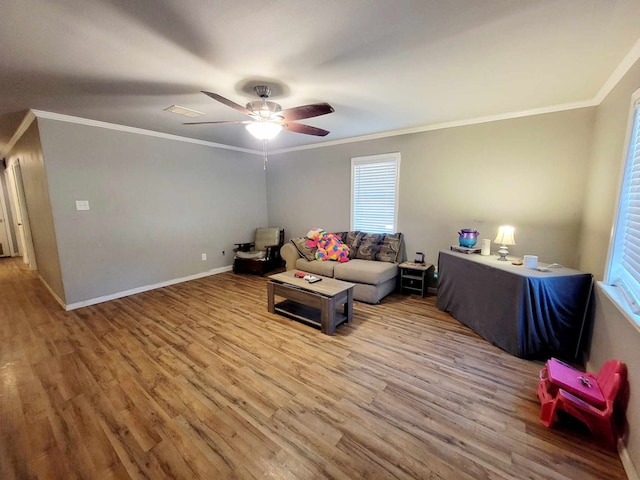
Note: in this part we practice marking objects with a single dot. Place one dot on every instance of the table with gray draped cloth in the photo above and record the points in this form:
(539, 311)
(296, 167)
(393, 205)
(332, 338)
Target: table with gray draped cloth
(526, 312)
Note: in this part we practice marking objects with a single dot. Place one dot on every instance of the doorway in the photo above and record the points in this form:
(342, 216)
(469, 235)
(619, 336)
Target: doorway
(22, 227)
(6, 245)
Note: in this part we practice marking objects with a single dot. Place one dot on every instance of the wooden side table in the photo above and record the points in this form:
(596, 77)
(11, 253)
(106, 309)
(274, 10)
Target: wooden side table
(414, 277)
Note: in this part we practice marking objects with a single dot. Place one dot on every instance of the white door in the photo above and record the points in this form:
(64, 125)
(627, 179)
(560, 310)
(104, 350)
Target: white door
(24, 231)
(5, 249)
(6, 246)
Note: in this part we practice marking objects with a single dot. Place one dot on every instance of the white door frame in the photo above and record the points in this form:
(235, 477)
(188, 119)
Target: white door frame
(24, 228)
(4, 217)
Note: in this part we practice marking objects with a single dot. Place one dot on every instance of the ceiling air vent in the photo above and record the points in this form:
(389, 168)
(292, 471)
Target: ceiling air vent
(187, 112)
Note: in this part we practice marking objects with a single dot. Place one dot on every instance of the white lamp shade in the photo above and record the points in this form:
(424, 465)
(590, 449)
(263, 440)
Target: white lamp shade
(264, 130)
(505, 236)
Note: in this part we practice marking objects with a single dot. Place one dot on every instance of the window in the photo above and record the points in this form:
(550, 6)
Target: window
(374, 193)
(624, 258)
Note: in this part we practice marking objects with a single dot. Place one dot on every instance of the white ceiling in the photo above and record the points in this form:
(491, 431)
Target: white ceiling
(384, 65)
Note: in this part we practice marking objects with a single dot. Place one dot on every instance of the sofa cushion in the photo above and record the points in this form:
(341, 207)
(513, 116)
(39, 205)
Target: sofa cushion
(363, 292)
(352, 240)
(369, 246)
(266, 237)
(379, 246)
(390, 248)
(252, 255)
(365, 271)
(305, 251)
(319, 268)
(342, 235)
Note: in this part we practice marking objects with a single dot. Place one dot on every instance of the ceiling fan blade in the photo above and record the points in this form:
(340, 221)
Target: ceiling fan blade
(219, 123)
(228, 102)
(306, 111)
(306, 129)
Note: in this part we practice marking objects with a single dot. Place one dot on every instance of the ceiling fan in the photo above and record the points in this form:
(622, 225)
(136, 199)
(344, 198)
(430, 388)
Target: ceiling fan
(268, 118)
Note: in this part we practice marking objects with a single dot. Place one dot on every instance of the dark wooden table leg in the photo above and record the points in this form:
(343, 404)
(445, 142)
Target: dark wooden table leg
(348, 306)
(270, 298)
(328, 316)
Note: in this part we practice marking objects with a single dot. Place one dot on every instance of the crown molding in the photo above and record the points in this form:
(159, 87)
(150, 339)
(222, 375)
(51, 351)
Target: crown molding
(440, 126)
(623, 67)
(621, 70)
(24, 125)
(138, 131)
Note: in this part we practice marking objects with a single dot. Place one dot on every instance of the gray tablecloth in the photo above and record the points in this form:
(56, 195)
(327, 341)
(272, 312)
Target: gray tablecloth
(523, 311)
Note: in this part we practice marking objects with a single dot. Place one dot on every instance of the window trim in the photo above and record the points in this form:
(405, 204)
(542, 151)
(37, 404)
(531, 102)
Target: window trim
(617, 299)
(369, 159)
(616, 239)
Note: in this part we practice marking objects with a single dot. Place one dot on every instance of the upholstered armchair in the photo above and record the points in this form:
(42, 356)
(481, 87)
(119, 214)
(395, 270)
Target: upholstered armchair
(262, 255)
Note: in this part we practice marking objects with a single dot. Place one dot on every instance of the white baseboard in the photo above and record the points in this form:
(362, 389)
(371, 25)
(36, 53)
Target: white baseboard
(53, 294)
(145, 288)
(627, 463)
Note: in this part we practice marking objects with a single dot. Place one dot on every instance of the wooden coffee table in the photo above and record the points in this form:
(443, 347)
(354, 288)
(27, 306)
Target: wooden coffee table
(313, 303)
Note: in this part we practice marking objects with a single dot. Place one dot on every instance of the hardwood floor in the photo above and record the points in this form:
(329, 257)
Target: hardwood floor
(198, 381)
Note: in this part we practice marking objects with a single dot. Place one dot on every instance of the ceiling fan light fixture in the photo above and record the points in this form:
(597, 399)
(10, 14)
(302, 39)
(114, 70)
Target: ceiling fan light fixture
(264, 110)
(264, 130)
(268, 118)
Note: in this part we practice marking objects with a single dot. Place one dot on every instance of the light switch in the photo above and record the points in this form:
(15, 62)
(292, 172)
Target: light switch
(82, 205)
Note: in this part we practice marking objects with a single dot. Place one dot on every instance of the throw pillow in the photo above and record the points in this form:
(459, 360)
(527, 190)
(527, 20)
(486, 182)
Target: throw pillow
(352, 240)
(390, 248)
(369, 247)
(305, 251)
(342, 235)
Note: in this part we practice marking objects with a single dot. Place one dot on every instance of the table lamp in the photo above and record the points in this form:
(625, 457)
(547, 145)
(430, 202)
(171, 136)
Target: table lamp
(505, 237)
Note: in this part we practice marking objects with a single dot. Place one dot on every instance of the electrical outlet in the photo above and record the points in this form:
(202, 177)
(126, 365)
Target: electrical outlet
(204, 257)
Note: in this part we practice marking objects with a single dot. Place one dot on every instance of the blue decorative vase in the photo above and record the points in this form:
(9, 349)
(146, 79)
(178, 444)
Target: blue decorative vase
(468, 237)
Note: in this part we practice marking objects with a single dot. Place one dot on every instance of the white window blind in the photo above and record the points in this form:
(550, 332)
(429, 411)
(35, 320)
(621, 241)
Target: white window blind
(624, 267)
(374, 193)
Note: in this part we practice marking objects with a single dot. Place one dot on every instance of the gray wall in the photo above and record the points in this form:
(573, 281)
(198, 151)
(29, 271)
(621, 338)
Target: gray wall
(604, 173)
(28, 152)
(614, 335)
(156, 206)
(528, 172)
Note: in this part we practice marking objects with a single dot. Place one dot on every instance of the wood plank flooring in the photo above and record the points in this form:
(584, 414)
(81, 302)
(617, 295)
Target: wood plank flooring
(198, 381)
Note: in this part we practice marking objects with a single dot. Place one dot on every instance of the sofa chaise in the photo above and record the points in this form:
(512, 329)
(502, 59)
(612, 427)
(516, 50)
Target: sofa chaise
(372, 266)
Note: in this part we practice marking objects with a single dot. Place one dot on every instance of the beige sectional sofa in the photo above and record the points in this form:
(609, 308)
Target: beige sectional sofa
(373, 264)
